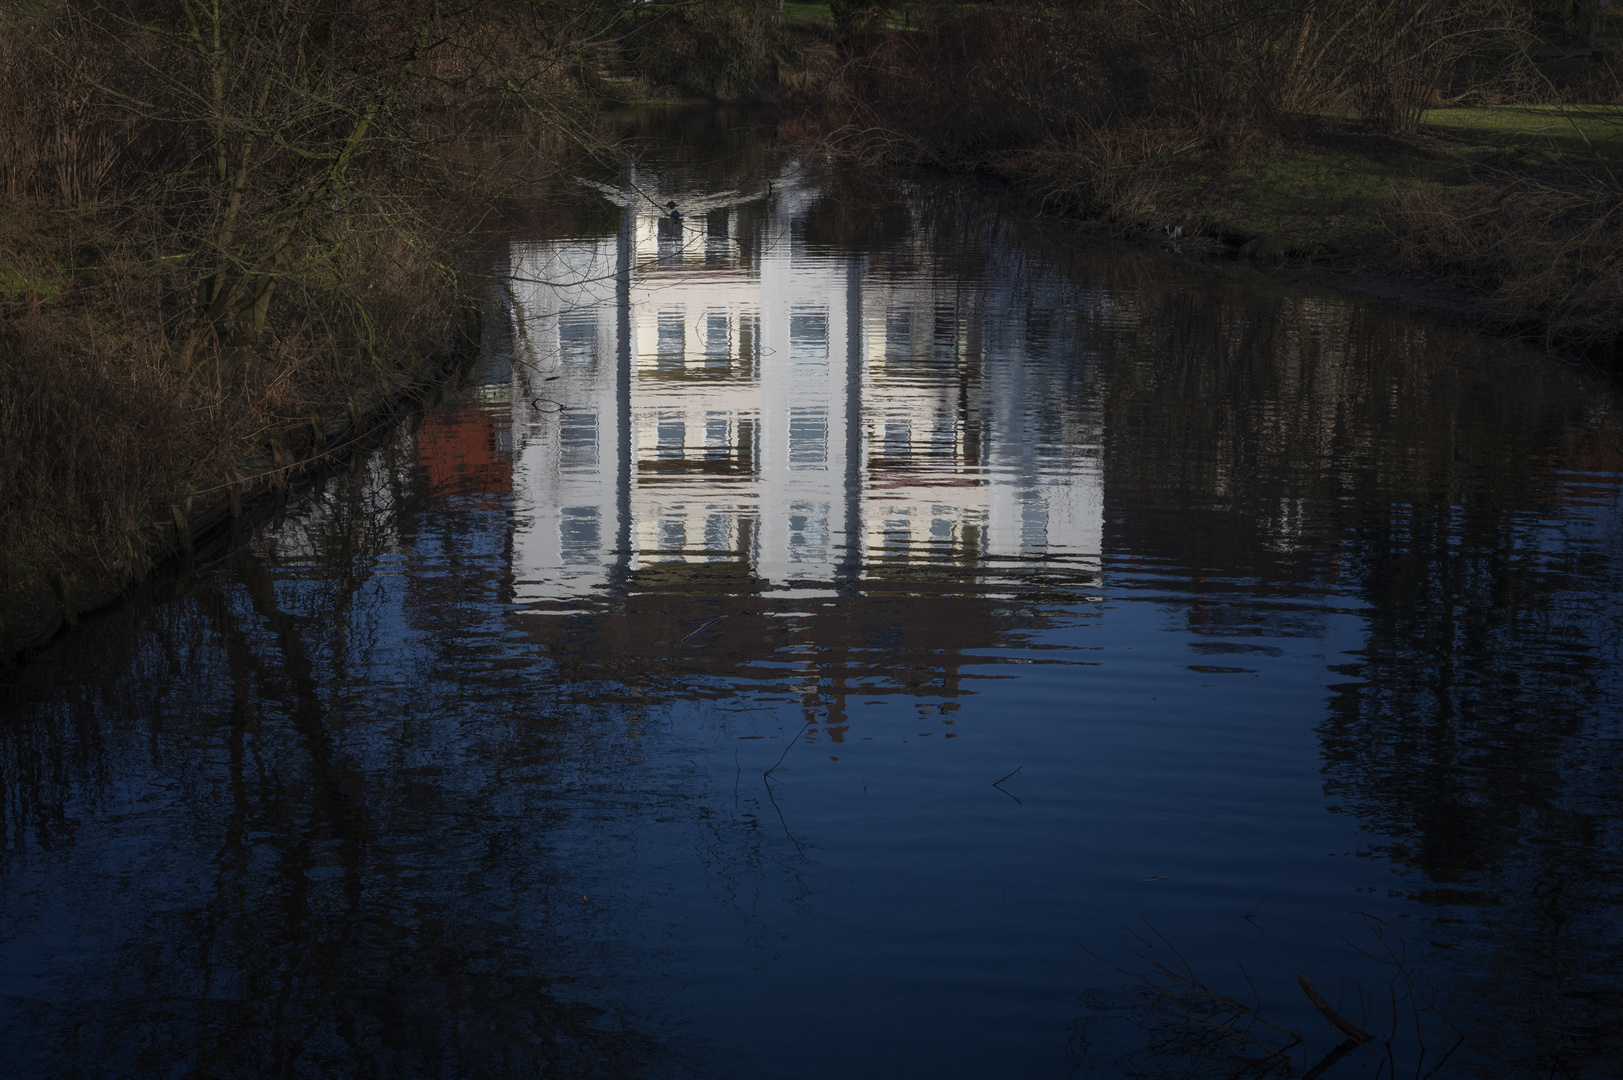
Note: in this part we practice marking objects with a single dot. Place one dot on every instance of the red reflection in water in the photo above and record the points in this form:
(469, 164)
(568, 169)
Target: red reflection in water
(464, 452)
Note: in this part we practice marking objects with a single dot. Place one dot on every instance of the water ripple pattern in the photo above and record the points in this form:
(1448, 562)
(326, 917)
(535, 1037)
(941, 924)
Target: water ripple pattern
(850, 628)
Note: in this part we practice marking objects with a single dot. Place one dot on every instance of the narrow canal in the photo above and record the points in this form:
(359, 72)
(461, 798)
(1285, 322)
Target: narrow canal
(848, 627)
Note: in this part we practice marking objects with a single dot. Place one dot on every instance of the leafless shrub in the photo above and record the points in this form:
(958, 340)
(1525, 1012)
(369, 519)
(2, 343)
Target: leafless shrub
(220, 217)
(1548, 254)
(1121, 173)
(1401, 57)
(1226, 63)
(726, 49)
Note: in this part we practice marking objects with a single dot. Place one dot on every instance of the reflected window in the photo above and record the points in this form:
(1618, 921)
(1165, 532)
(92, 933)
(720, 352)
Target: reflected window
(579, 534)
(718, 438)
(717, 235)
(808, 338)
(577, 441)
(808, 532)
(671, 435)
(577, 340)
(671, 339)
(898, 334)
(670, 239)
(718, 532)
(718, 339)
(898, 440)
(673, 534)
(898, 536)
(746, 444)
(808, 438)
(749, 339)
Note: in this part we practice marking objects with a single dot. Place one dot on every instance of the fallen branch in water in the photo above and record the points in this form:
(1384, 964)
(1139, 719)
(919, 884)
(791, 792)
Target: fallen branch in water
(1337, 1021)
(1191, 1029)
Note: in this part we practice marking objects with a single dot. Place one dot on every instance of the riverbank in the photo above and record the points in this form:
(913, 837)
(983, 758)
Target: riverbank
(230, 248)
(1281, 146)
(201, 277)
(39, 607)
(118, 460)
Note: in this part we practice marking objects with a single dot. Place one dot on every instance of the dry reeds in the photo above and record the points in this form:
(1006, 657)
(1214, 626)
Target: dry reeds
(725, 49)
(1122, 173)
(1549, 255)
(218, 222)
(58, 146)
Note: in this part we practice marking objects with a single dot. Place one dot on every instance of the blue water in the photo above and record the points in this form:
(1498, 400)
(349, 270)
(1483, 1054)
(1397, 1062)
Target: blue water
(822, 636)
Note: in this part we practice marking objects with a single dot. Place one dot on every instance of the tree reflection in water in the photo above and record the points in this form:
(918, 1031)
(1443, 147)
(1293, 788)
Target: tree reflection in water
(1472, 506)
(220, 861)
(335, 808)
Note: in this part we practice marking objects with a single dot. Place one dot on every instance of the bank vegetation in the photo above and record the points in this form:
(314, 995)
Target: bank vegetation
(231, 230)
(1473, 141)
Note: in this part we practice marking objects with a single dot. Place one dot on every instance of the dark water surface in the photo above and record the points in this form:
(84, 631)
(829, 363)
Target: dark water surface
(822, 632)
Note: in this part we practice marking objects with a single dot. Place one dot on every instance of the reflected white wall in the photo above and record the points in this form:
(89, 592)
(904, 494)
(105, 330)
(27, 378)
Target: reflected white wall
(790, 412)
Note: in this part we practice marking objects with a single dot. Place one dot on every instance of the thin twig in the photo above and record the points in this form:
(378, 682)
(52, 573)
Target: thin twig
(999, 785)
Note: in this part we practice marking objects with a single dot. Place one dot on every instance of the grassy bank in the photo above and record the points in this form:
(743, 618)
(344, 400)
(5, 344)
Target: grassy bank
(229, 232)
(1327, 184)
(1475, 143)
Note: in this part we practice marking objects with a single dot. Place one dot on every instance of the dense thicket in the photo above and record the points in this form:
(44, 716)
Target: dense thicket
(723, 49)
(1120, 109)
(220, 215)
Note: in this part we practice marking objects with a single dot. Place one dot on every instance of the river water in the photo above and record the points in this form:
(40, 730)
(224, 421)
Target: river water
(854, 628)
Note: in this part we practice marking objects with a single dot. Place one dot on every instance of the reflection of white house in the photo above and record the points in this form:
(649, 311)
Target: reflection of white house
(683, 397)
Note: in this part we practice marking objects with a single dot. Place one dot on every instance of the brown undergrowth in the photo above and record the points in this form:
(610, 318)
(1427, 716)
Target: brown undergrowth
(104, 431)
(1219, 119)
(1547, 252)
(222, 222)
(723, 49)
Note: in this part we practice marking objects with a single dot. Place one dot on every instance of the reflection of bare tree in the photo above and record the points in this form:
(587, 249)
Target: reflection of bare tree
(263, 874)
(1484, 714)
(1308, 444)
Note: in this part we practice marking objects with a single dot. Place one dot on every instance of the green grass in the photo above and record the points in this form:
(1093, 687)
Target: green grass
(1327, 190)
(1310, 197)
(18, 281)
(1314, 195)
(807, 15)
(1537, 127)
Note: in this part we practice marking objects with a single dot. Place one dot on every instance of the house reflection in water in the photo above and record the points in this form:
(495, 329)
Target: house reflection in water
(721, 420)
(466, 450)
